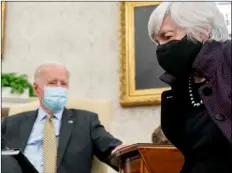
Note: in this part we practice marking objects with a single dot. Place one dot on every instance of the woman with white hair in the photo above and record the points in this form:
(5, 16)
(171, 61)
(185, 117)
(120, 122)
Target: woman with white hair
(194, 49)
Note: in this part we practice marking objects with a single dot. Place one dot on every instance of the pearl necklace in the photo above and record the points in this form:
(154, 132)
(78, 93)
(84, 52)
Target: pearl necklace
(193, 102)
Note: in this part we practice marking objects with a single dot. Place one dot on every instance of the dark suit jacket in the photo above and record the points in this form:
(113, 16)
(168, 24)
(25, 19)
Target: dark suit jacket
(10, 165)
(78, 141)
(214, 63)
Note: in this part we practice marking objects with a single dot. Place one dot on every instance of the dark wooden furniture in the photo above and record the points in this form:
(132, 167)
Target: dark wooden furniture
(149, 158)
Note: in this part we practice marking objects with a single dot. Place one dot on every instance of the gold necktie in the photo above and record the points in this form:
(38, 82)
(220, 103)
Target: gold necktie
(49, 146)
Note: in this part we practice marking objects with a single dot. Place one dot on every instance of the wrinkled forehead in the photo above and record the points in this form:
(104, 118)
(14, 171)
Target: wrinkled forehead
(57, 72)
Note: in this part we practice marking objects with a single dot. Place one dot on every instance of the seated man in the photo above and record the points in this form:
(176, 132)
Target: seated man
(54, 138)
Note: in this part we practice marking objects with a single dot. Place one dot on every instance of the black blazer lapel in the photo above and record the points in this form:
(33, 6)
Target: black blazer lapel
(67, 124)
(26, 127)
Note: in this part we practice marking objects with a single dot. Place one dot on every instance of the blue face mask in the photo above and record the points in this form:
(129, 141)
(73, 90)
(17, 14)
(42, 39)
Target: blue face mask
(55, 98)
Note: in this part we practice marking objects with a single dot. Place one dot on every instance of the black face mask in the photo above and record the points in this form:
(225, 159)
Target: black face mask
(176, 57)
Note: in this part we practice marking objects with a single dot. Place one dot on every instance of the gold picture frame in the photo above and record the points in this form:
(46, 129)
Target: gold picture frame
(3, 21)
(129, 96)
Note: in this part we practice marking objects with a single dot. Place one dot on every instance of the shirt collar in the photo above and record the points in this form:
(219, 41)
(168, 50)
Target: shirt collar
(208, 59)
(42, 114)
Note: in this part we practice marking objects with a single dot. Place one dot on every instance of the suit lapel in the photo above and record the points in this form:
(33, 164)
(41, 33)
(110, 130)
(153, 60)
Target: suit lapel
(26, 127)
(67, 124)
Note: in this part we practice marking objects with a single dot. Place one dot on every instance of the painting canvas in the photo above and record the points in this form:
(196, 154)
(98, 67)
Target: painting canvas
(139, 69)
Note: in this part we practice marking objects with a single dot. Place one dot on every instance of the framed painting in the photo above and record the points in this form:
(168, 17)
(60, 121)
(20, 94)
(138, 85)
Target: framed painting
(139, 70)
(3, 19)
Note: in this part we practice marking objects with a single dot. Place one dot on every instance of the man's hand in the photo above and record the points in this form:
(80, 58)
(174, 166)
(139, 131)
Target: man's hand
(119, 147)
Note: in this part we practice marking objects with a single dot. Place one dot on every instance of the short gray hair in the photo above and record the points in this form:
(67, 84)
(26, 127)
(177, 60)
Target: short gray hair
(195, 17)
(41, 66)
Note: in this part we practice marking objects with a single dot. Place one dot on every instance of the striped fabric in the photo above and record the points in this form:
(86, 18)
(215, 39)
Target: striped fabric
(49, 146)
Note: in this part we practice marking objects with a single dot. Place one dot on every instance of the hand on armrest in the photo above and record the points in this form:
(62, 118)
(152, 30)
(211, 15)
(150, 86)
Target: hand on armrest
(119, 147)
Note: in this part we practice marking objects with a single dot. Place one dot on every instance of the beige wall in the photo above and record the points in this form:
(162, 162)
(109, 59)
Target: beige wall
(84, 36)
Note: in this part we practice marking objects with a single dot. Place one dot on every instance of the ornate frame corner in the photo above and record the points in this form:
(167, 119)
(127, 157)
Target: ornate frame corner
(129, 96)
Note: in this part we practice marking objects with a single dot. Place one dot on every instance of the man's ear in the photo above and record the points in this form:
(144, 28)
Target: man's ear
(35, 88)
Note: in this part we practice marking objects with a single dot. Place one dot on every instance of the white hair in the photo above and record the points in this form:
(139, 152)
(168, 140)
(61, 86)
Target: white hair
(41, 66)
(195, 17)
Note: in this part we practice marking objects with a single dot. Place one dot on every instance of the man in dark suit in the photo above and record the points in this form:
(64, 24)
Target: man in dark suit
(53, 138)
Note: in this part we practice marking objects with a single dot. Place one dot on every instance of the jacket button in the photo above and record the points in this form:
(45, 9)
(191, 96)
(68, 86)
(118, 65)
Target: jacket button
(219, 117)
(207, 91)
